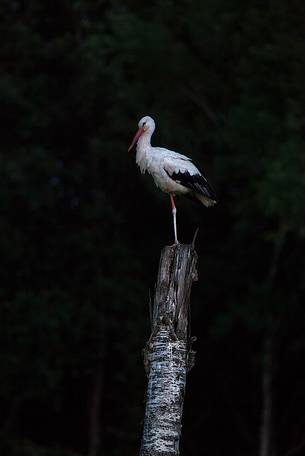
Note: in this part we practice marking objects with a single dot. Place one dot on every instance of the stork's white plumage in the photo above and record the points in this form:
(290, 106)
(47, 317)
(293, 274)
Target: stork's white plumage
(173, 173)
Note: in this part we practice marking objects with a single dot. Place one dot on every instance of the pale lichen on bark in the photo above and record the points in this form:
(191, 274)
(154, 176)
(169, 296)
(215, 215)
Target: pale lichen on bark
(165, 392)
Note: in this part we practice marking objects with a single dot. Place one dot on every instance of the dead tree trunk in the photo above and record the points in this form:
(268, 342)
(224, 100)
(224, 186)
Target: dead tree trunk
(168, 355)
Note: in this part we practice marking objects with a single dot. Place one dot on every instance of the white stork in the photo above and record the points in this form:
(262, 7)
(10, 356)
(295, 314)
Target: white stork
(173, 173)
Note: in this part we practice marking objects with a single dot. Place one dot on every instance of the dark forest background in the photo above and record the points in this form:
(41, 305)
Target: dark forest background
(81, 230)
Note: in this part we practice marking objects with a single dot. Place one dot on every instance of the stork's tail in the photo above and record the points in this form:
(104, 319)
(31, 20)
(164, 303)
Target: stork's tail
(208, 202)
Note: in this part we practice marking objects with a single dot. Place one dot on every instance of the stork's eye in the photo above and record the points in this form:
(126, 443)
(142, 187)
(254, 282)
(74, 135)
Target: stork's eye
(144, 123)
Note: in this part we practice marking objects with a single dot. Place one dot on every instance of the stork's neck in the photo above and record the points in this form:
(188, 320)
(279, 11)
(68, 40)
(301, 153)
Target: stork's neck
(143, 147)
(144, 140)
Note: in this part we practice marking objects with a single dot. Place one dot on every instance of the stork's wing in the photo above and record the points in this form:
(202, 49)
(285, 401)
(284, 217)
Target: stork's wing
(187, 174)
(171, 156)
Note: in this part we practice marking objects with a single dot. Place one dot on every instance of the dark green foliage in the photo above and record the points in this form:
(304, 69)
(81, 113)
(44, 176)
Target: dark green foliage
(81, 230)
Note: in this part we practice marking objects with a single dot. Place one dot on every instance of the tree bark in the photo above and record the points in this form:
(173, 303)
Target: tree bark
(168, 355)
(267, 390)
(267, 444)
(94, 434)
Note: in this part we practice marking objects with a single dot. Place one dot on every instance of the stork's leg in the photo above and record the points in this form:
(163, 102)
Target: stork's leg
(174, 211)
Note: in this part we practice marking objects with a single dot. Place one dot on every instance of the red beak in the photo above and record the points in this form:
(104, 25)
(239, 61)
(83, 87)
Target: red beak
(136, 138)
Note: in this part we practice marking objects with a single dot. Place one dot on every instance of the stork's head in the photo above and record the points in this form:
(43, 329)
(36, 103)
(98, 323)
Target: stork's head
(147, 124)
(146, 127)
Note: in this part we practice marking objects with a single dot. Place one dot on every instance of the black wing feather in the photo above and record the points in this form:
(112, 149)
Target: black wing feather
(195, 182)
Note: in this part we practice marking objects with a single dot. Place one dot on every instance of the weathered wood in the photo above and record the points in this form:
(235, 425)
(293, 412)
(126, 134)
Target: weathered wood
(168, 355)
